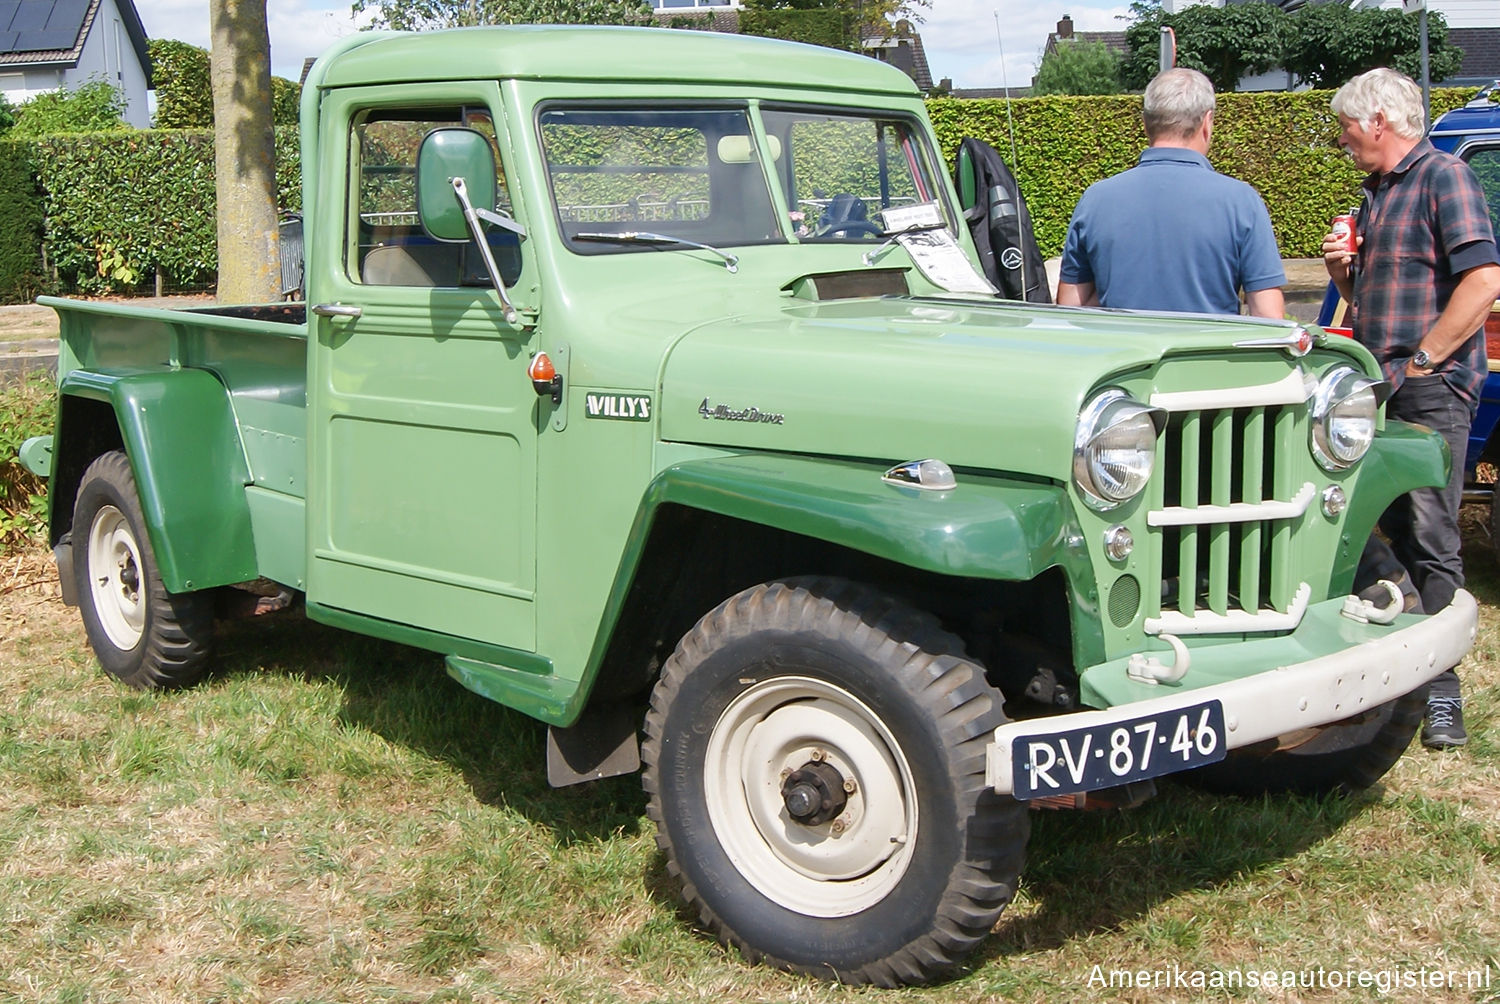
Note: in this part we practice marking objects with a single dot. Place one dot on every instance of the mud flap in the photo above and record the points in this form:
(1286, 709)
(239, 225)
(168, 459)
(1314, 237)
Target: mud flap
(602, 743)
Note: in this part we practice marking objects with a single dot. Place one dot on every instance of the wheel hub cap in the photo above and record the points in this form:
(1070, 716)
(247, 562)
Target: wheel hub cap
(114, 567)
(814, 793)
(810, 796)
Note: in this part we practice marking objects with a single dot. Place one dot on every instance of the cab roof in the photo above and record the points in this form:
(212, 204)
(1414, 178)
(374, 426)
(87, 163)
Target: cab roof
(598, 53)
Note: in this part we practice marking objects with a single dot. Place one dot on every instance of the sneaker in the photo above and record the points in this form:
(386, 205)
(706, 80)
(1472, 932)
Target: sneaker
(1444, 728)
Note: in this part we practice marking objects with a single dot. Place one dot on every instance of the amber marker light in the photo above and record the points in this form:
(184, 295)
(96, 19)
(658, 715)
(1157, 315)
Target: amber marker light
(544, 378)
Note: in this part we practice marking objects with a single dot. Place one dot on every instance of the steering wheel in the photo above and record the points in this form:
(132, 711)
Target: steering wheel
(846, 214)
(862, 228)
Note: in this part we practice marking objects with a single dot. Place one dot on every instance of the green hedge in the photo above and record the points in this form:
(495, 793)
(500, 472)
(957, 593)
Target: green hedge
(120, 206)
(21, 269)
(1283, 144)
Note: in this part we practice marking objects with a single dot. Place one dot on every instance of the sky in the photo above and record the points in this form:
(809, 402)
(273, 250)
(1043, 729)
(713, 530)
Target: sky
(960, 36)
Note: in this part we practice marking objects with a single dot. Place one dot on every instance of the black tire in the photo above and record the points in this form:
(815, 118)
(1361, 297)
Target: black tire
(767, 682)
(1343, 758)
(142, 634)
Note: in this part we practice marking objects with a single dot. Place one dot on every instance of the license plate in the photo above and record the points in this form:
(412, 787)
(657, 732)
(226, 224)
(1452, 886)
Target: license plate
(1103, 756)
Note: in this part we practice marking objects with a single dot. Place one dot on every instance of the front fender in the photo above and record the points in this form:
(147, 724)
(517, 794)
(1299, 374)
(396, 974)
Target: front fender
(1402, 457)
(180, 434)
(986, 527)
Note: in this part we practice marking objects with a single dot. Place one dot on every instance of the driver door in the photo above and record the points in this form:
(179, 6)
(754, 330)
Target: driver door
(423, 437)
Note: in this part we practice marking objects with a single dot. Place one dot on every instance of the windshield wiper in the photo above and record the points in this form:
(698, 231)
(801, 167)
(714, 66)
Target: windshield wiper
(731, 262)
(892, 236)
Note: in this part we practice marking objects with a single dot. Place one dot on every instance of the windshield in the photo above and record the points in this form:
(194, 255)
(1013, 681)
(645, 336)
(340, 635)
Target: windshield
(689, 173)
(694, 175)
(840, 171)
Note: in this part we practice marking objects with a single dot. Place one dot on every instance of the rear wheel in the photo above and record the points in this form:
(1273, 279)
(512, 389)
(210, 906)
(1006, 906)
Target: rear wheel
(142, 634)
(815, 760)
(1344, 757)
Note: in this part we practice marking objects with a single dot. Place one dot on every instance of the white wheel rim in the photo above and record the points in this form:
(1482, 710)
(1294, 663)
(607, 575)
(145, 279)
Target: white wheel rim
(115, 578)
(835, 868)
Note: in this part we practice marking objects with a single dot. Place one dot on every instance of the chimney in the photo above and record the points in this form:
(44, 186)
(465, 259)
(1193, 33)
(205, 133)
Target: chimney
(1065, 27)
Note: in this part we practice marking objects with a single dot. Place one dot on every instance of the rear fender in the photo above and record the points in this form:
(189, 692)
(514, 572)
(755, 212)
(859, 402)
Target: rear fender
(178, 429)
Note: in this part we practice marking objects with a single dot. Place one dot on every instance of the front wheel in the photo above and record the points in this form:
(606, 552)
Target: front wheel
(142, 634)
(815, 767)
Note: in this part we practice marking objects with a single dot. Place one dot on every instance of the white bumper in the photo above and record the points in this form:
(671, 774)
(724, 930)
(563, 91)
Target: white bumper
(1288, 698)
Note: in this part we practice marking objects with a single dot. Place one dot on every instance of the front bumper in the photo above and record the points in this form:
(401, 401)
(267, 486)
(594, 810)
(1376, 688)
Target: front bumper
(1301, 695)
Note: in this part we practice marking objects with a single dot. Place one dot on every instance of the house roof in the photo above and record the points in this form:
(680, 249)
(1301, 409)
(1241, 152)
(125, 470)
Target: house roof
(902, 48)
(1114, 41)
(52, 32)
(1481, 54)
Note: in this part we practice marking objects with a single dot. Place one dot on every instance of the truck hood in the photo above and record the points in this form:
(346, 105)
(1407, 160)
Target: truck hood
(977, 384)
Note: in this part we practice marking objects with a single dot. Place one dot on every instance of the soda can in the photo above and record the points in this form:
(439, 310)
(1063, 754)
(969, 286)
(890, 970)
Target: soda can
(1343, 226)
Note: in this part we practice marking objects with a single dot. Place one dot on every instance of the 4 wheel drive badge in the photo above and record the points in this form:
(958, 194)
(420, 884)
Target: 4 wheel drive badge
(621, 407)
(1011, 257)
(724, 413)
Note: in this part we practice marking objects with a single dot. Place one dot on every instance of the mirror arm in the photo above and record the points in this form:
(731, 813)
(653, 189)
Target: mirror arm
(476, 227)
(502, 221)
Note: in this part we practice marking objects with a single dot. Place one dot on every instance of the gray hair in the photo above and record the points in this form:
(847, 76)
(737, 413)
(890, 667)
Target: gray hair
(1177, 102)
(1383, 91)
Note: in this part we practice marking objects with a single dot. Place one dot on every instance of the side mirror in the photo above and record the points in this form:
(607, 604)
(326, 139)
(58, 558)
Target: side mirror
(447, 153)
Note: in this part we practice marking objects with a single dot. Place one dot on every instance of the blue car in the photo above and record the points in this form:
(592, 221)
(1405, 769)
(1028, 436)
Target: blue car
(1473, 133)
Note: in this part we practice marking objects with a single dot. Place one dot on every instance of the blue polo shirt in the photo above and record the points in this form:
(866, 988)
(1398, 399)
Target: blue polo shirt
(1172, 233)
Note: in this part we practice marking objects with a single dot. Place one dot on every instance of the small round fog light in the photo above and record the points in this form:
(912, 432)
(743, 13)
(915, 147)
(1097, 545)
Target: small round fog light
(1334, 501)
(1118, 543)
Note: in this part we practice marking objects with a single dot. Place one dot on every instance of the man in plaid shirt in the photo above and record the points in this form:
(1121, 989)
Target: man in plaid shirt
(1419, 289)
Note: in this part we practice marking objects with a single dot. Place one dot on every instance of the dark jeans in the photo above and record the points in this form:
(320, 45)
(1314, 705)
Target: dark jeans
(1423, 524)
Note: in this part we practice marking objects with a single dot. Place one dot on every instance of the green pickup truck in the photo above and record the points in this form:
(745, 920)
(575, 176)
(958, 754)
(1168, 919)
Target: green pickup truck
(636, 378)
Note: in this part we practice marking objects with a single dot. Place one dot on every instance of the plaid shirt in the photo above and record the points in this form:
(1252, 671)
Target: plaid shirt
(1412, 220)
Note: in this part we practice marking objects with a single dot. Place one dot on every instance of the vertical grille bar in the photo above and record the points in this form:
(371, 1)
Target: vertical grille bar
(1187, 544)
(1282, 585)
(1221, 462)
(1253, 490)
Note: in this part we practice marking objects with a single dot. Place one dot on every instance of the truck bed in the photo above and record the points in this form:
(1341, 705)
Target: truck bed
(258, 353)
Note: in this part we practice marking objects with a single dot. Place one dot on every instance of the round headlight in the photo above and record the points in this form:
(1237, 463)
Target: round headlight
(1344, 408)
(1115, 448)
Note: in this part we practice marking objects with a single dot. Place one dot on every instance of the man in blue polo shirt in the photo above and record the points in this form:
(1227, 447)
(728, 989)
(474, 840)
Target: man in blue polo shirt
(1172, 233)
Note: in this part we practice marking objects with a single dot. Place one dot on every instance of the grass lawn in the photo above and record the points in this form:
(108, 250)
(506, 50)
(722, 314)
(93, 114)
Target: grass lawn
(330, 818)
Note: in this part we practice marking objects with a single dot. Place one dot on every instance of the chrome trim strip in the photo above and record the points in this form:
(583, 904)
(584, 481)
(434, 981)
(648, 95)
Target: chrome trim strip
(1202, 622)
(1294, 388)
(1235, 512)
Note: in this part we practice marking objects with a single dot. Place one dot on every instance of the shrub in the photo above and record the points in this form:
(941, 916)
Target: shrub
(179, 73)
(184, 96)
(27, 409)
(93, 107)
(21, 271)
(149, 205)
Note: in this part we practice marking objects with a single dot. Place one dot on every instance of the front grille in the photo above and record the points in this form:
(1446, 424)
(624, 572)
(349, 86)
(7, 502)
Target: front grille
(1225, 508)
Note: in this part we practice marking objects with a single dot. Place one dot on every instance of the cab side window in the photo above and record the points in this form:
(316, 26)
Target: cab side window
(388, 246)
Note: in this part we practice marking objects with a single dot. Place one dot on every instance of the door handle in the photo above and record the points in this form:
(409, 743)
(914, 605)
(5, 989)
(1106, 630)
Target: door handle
(336, 310)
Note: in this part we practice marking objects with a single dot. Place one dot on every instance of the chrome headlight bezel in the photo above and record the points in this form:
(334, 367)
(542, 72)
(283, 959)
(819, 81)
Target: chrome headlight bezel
(1101, 477)
(1344, 410)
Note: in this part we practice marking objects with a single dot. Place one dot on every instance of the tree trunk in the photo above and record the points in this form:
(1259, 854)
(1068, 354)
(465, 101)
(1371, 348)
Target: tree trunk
(244, 152)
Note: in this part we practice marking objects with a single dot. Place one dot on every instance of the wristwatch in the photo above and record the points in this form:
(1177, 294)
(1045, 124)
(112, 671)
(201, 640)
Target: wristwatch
(1421, 360)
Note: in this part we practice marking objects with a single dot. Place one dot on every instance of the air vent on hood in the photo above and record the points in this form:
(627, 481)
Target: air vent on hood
(851, 284)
